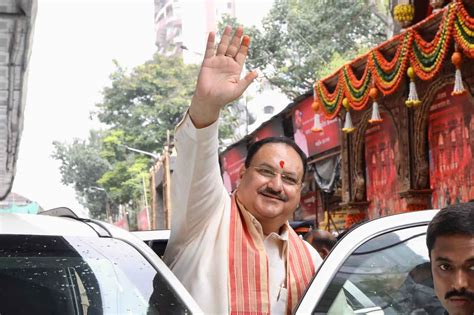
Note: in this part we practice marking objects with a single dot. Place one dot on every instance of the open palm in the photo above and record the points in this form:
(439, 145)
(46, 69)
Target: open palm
(219, 81)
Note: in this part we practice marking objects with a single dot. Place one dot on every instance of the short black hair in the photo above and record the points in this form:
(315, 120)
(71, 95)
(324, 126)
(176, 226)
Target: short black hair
(452, 220)
(254, 147)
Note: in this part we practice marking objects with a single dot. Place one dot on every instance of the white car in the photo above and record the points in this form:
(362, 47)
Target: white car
(68, 265)
(155, 239)
(380, 267)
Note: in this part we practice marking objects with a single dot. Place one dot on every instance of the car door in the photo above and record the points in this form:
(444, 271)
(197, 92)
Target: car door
(382, 267)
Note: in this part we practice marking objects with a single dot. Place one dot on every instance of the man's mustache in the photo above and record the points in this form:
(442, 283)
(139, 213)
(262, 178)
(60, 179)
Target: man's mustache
(267, 191)
(460, 293)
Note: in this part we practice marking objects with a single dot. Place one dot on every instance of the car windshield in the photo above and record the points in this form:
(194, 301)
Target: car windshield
(80, 275)
(389, 274)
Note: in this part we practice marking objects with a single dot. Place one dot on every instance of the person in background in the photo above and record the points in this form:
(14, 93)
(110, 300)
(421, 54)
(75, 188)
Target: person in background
(235, 253)
(323, 241)
(450, 242)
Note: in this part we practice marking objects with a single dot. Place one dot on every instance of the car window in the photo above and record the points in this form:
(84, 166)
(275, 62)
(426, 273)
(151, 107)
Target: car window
(389, 274)
(80, 275)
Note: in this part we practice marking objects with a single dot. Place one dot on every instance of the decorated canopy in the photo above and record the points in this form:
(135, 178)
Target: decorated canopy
(415, 57)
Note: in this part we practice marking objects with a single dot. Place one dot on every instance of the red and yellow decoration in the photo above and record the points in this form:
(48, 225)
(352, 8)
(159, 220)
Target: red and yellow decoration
(348, 126)
(414, 59)
(413, 99)
(317, 126)
(404, 14)
(375, 118)
(456, 59)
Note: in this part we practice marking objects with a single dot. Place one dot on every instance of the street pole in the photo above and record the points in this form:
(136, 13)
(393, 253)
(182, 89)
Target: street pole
(167, 181)
(146, 203)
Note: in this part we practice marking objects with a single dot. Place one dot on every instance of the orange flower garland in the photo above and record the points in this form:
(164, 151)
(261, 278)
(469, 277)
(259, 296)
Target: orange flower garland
(464, 30)
(388, 74)
(356, 90)
(331, 101)
(426, 59)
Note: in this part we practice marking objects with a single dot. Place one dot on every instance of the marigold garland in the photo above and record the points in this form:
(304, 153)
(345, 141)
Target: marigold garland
(426, 58)
(331, 102)
(388, 74)
(464, 30)
(357, 91)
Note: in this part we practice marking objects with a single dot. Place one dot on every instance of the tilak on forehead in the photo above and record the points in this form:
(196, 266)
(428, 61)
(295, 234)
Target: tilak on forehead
(282, 163)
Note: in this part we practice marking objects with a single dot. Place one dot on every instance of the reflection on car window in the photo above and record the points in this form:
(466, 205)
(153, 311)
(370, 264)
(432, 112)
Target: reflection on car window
(80, 275)
(389, 274)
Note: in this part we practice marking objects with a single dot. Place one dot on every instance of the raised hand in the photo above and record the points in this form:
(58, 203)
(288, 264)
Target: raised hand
(219, 80)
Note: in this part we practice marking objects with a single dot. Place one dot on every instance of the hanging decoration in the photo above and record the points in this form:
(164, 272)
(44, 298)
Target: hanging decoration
(404, 14)
(464, 31)
(388, 74)
(356, 90)
(413, 99)
(317, 127)
(426, 58)
(375, 118)
(331, 101)
(348, 126)
(315, 104)
(456, 59)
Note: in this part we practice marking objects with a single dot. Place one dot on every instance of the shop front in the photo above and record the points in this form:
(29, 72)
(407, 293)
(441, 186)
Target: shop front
(320, 195)
(407, 110)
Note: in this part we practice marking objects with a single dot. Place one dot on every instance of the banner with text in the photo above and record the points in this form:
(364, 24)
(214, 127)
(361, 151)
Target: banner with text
(310, 142)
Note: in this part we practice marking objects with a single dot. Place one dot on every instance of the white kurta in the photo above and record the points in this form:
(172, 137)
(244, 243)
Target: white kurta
(197, 251)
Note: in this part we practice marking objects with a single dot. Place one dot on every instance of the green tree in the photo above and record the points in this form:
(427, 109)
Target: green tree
(300, 38)
(82, 166)
(137, 110)
(148, 101)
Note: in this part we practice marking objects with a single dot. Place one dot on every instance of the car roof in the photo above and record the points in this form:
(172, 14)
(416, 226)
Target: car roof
(352, 240)
(34, 224)
(57, 225)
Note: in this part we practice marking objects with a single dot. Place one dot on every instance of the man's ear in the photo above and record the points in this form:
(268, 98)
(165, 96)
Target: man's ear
(323, 252)
(242, 171)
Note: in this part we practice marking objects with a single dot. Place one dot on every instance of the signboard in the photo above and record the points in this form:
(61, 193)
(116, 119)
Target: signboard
(273, 129)
(451, 146)
(232, 161)
(381, 150)
(142, 220)
(310, 142)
